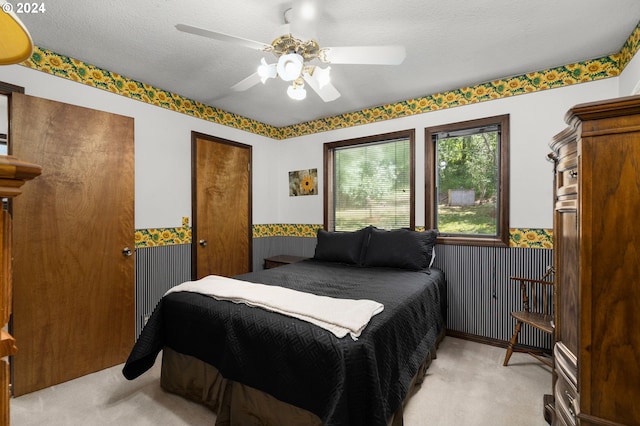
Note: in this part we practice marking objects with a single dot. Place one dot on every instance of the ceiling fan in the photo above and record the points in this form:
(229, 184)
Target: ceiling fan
(298, 54)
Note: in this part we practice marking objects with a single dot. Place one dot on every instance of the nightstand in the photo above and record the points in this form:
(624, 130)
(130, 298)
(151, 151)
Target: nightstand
(282, 259)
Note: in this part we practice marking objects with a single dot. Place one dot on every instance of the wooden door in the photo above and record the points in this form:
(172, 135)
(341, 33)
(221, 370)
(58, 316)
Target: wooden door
(73, 303)
(221, 207)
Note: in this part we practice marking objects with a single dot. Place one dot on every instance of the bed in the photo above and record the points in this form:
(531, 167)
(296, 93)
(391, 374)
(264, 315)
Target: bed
(254, 366)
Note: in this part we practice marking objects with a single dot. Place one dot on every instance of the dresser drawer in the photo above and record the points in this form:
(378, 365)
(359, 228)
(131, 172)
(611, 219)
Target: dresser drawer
(566, 363)
(567, 178)
(566, 400)
(559, 420)
(565, 392)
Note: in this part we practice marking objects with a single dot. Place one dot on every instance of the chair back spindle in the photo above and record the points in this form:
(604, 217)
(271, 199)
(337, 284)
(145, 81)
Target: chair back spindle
(533, 313)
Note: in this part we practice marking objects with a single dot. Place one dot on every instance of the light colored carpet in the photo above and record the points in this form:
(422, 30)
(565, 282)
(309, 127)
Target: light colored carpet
(465, 385)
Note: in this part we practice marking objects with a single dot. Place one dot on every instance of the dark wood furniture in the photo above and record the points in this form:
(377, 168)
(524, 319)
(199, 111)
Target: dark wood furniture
(597, 261)
(282, 259)
(536, 312)
(13, 174)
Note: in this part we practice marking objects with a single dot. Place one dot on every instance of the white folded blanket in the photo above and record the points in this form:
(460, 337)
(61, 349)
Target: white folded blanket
(339, 316)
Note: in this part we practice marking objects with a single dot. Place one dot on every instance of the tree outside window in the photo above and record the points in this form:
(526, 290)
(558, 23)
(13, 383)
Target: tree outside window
(468, 181)
(370, 182)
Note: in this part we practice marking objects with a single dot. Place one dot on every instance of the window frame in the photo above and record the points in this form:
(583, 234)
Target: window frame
(328, 159)
(502, 237)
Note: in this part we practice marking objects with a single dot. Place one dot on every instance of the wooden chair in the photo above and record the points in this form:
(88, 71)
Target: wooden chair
(536, 313)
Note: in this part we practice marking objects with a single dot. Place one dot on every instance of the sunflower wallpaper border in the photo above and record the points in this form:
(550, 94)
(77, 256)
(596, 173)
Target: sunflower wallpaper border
(589, 70)
(518, 237)
(153, 237)
(75, 70)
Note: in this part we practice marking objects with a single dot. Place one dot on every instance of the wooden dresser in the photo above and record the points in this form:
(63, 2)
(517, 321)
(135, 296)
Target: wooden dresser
(13, 174)
(597, 261)
(282, 259)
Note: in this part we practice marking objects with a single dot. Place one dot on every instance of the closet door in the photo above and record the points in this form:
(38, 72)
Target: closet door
(221, 207)
(73, 302)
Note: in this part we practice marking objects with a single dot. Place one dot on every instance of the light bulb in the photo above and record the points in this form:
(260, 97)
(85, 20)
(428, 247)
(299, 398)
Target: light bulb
(290, 66)
(266, 71)
(296, 92)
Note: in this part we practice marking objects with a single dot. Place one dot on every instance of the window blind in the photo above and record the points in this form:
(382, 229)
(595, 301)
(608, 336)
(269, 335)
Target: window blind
(372, 185)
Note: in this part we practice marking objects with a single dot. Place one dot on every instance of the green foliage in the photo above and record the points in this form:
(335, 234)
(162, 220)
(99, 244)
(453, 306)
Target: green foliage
(372, 184)
(469, 162)
(368, 180)
(371, 172)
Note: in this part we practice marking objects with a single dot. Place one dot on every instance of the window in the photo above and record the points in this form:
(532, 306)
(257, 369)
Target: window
(370, 181)
(467, 181)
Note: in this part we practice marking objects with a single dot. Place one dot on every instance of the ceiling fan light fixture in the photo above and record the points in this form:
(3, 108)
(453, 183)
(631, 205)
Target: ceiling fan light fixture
(266, 71)
(290, 66)
(297, 91)
(295, 50)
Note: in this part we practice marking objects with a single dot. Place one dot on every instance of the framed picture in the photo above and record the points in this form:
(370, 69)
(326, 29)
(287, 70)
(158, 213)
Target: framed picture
(303, 182)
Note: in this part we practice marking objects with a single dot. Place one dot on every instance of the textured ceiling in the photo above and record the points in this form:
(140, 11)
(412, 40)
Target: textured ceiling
(449, 44)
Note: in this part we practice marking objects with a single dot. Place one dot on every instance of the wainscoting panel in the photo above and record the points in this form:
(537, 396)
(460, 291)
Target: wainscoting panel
(157, 270)
(480, 293)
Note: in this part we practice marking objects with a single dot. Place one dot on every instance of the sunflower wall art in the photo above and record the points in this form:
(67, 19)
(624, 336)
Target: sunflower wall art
(303, 182)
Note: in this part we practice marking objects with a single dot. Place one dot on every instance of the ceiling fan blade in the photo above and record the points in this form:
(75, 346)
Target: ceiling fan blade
(372, 55)
(251, 44)
(327, 92)
(247, 83)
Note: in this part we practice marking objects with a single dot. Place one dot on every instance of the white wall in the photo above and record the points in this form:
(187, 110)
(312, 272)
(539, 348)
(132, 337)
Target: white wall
(534, 119)
(630, 78)
(163, 149)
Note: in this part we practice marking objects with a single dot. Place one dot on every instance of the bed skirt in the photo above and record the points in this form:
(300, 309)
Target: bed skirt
(238, 404)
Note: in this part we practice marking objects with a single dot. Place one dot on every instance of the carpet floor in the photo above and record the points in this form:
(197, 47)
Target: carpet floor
(465, 385)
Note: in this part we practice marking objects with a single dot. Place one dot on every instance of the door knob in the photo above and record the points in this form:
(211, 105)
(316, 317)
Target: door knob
(203, 243)
(126, 251)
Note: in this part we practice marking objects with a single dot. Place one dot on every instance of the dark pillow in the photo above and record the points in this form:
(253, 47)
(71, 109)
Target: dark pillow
(401, 248)
(344, 247)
